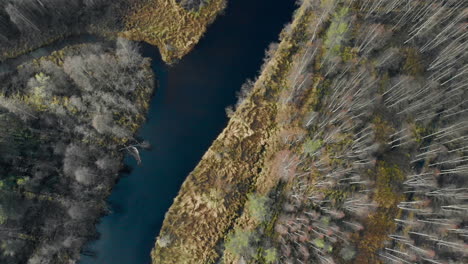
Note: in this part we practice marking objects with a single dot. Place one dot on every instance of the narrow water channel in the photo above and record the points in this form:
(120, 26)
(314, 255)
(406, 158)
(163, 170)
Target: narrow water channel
(186, 115)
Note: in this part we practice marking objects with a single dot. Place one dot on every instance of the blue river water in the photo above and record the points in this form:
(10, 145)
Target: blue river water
(186, 115)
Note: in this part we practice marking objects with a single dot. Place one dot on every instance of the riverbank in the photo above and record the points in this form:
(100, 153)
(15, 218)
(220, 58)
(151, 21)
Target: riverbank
(340, 152)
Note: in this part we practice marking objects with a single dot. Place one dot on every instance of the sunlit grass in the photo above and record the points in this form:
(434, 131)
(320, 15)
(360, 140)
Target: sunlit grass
(170, 27)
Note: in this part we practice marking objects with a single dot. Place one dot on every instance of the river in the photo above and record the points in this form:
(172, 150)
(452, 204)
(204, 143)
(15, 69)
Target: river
(186, 115)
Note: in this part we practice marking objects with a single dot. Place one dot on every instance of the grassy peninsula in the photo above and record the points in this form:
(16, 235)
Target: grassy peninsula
(169, 25)
(349, 148)
(174, 26)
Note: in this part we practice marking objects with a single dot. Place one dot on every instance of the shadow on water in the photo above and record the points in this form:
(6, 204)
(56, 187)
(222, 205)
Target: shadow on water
(186, 115)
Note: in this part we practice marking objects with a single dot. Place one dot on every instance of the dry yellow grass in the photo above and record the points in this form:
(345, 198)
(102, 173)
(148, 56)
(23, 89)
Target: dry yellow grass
(167, 25)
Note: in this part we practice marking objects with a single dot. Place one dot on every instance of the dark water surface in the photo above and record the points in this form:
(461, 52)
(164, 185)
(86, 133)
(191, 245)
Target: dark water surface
(186, 115)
